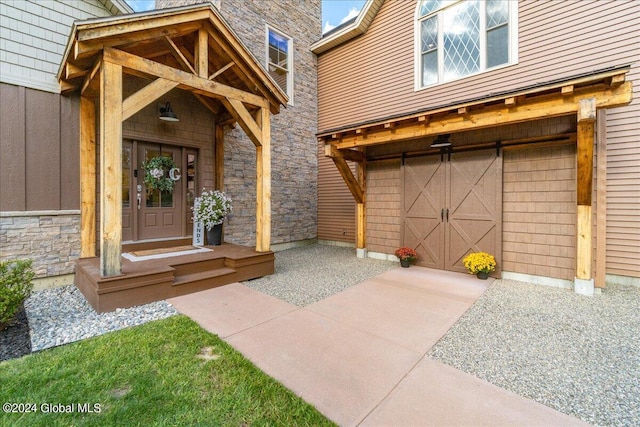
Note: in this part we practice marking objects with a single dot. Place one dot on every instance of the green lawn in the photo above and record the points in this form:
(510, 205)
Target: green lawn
(168, 372)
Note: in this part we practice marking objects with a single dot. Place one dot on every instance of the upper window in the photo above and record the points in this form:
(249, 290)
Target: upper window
(460, 38)
(280, 60)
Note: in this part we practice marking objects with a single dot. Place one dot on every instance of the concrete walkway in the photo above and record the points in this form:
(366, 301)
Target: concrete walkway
(359, 355)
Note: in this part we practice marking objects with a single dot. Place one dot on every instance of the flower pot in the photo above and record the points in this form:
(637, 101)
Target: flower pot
(405, 262)
(482, 275)
(214, 236)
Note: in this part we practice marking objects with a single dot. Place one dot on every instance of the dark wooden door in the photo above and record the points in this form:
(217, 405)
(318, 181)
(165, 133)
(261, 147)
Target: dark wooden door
(452, 206)
(160, 213)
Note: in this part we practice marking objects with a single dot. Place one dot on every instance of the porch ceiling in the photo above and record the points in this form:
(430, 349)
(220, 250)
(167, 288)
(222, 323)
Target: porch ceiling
(173, 38)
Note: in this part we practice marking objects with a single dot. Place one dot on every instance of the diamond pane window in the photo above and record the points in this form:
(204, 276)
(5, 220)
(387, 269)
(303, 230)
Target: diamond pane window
(459, 38)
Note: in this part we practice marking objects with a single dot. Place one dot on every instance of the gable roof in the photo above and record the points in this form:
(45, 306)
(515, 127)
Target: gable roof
(169, 37)
(349, 29)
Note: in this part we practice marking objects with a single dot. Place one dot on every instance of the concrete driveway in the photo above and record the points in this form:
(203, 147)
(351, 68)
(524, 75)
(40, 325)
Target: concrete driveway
(359, 356)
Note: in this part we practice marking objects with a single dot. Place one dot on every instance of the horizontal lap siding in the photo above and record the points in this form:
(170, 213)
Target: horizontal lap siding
(539, 212)
(336, 207)
(383, 206)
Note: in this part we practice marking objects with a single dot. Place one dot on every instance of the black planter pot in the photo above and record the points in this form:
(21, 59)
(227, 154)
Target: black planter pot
(405, 262)
(482, 275)
(214, 236)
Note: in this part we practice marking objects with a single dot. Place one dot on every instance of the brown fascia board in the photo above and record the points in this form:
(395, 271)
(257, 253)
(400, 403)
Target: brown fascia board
(350, 31)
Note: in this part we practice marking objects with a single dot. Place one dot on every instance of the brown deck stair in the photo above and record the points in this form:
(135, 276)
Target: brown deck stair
(143, 282)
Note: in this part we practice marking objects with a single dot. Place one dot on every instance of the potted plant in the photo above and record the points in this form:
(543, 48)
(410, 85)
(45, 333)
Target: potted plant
(406, 255)
(480, 264)
(211, 208)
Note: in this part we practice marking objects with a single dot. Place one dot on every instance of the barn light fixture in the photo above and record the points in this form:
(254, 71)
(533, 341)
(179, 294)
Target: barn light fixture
(441, 141)
(167, 114)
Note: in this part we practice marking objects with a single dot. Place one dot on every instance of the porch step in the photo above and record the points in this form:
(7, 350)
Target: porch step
(194, 282)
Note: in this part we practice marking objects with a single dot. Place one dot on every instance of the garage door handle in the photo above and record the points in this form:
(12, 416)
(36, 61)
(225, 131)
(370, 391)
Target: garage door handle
(442, 214)
(447, 214)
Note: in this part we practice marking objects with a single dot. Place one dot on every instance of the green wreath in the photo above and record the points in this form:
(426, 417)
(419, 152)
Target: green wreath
(156, 173)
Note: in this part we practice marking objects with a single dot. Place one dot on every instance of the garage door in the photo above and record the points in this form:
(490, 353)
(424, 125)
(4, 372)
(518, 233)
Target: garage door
(452, 206)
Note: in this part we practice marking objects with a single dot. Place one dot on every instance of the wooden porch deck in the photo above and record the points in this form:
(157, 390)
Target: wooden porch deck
(148, 280)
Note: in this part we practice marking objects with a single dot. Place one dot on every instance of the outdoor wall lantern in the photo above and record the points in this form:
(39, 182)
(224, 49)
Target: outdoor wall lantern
(167, 114)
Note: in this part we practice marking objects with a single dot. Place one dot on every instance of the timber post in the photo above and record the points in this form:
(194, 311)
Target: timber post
(584, 283)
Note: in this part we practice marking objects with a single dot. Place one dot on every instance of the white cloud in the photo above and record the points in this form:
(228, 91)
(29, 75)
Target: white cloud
(353, 12)
(327, 27)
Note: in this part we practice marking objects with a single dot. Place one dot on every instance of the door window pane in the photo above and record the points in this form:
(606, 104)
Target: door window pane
(157, 198)
(126, 177)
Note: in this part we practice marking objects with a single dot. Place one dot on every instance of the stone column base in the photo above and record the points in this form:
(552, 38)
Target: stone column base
(361, 252)
(584, 287)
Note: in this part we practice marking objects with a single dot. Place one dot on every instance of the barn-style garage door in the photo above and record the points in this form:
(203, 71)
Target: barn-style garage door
(452, 206)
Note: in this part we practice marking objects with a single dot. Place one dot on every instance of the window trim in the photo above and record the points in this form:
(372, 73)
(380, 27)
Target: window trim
(417, 54)
(290, 58)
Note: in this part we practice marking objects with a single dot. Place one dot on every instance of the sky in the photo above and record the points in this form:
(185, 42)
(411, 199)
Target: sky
(334, 12)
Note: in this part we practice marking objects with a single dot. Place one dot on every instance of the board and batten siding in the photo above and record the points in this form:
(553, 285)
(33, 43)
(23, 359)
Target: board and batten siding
(33, 36)
(372, 77)
(39, 167)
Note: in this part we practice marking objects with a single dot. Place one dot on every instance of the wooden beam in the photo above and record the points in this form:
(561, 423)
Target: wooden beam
(87, 177)
(73, 71)
(601, 202)
(361, 218)
(616, 80)
(566, 90)
(463, 110)
(111, 169)
(92, 74)
(263, 183)
(242, 115)
(202, 54)
(185, 80)
(221, 70)
(586, 118)
(347, 175)
(219, 157)
(87, 48)
(146, 96)
(531, 109)
(179, 56)
(349, 155)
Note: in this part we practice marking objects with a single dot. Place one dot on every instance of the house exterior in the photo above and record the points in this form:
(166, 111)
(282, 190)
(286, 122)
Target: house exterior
(54, 195)
(500, 126)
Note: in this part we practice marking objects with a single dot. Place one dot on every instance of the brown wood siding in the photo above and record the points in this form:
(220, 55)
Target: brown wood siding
(383, 206)
(539, 212)
(372, 76)
(335, 202)
(623, 186)
(39, 158)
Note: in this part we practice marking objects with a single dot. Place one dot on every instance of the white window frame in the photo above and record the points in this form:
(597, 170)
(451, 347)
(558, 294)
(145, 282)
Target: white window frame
(417, 54)
(290, 61)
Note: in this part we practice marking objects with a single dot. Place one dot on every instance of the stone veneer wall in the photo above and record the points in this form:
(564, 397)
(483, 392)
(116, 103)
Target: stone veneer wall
(50, 238)
(293, 142)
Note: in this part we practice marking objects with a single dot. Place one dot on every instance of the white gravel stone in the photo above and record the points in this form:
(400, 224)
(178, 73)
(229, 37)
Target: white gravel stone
(579, 355)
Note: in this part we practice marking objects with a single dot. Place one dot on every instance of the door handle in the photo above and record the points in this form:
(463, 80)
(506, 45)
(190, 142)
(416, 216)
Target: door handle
(442, 214)
(447, 214)
(139, 197)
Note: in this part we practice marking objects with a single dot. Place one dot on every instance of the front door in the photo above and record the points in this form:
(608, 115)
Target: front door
(453, 206)
(149, 213)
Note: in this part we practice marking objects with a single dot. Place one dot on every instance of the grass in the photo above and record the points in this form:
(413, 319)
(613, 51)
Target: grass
(168, 372)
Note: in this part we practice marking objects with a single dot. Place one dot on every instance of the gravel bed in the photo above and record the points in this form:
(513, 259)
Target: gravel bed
(311, 273)
(576, 354)
(62, 315)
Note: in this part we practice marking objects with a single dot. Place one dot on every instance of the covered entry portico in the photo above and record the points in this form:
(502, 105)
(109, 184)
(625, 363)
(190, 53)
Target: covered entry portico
(189, 48)
(400, 140)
